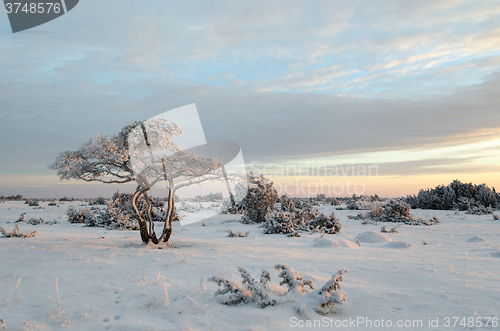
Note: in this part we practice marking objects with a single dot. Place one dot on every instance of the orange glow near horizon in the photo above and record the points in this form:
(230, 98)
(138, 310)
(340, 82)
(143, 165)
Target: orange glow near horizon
(384, 186)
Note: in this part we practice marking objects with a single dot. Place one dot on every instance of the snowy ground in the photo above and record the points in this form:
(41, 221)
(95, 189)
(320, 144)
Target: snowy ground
(108, 280)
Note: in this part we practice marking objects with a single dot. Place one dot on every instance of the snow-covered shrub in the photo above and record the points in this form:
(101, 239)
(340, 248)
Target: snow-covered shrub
(33, 203)
(333, 201)
(210, 197)
(232, 234)
(79, 215)
(287, 204)
(376, 209)
(302, 294)
(228, 208)
(189, 208)
(52, 204)
(393, 230)
(352, 205)
(260, 199)
(397, 211)
(119, 214)
(294, 223)
(159, 213)
(328, 224)
(463, 203)
(282, 223)
(496, 217)
(237, 295)
(21, 218)
(480, 210)
(16, 233)
(35, 221)
(303, 203)
(100, 201)
(293, 279)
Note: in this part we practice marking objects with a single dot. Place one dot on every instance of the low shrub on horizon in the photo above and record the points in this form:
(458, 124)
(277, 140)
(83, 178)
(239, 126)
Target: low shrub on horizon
(396, 211)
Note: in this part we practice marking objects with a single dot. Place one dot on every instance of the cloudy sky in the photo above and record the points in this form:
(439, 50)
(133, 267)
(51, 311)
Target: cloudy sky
(411, 87)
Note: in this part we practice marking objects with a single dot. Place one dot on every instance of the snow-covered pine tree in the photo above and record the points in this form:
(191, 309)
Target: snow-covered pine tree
(260, 199)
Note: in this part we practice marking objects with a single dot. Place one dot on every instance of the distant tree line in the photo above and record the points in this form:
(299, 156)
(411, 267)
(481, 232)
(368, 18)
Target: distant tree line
(18, 197)
(457, 195)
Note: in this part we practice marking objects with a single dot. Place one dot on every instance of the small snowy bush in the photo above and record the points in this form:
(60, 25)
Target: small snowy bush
(303, 203)
(496, 217)
(189, 208)
(230, 233)
(98, 201)
(301, 294)
(21, 218)
(480, 210)
(228, 208)
(333, 201)
(395, 210)
(293, 224)
(35, 221)
(352, 205)
(210, 197)
(393, 230)
(79, 215)
(33, 203)
(52, 204)
(119, 214)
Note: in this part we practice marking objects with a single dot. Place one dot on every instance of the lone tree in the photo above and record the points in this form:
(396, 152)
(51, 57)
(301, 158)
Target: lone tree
(142, 152)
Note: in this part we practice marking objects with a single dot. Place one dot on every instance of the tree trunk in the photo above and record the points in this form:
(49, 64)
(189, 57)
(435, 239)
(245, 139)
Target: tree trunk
(167, 229)
(152, 234)
(233, 203)
(143, 227)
